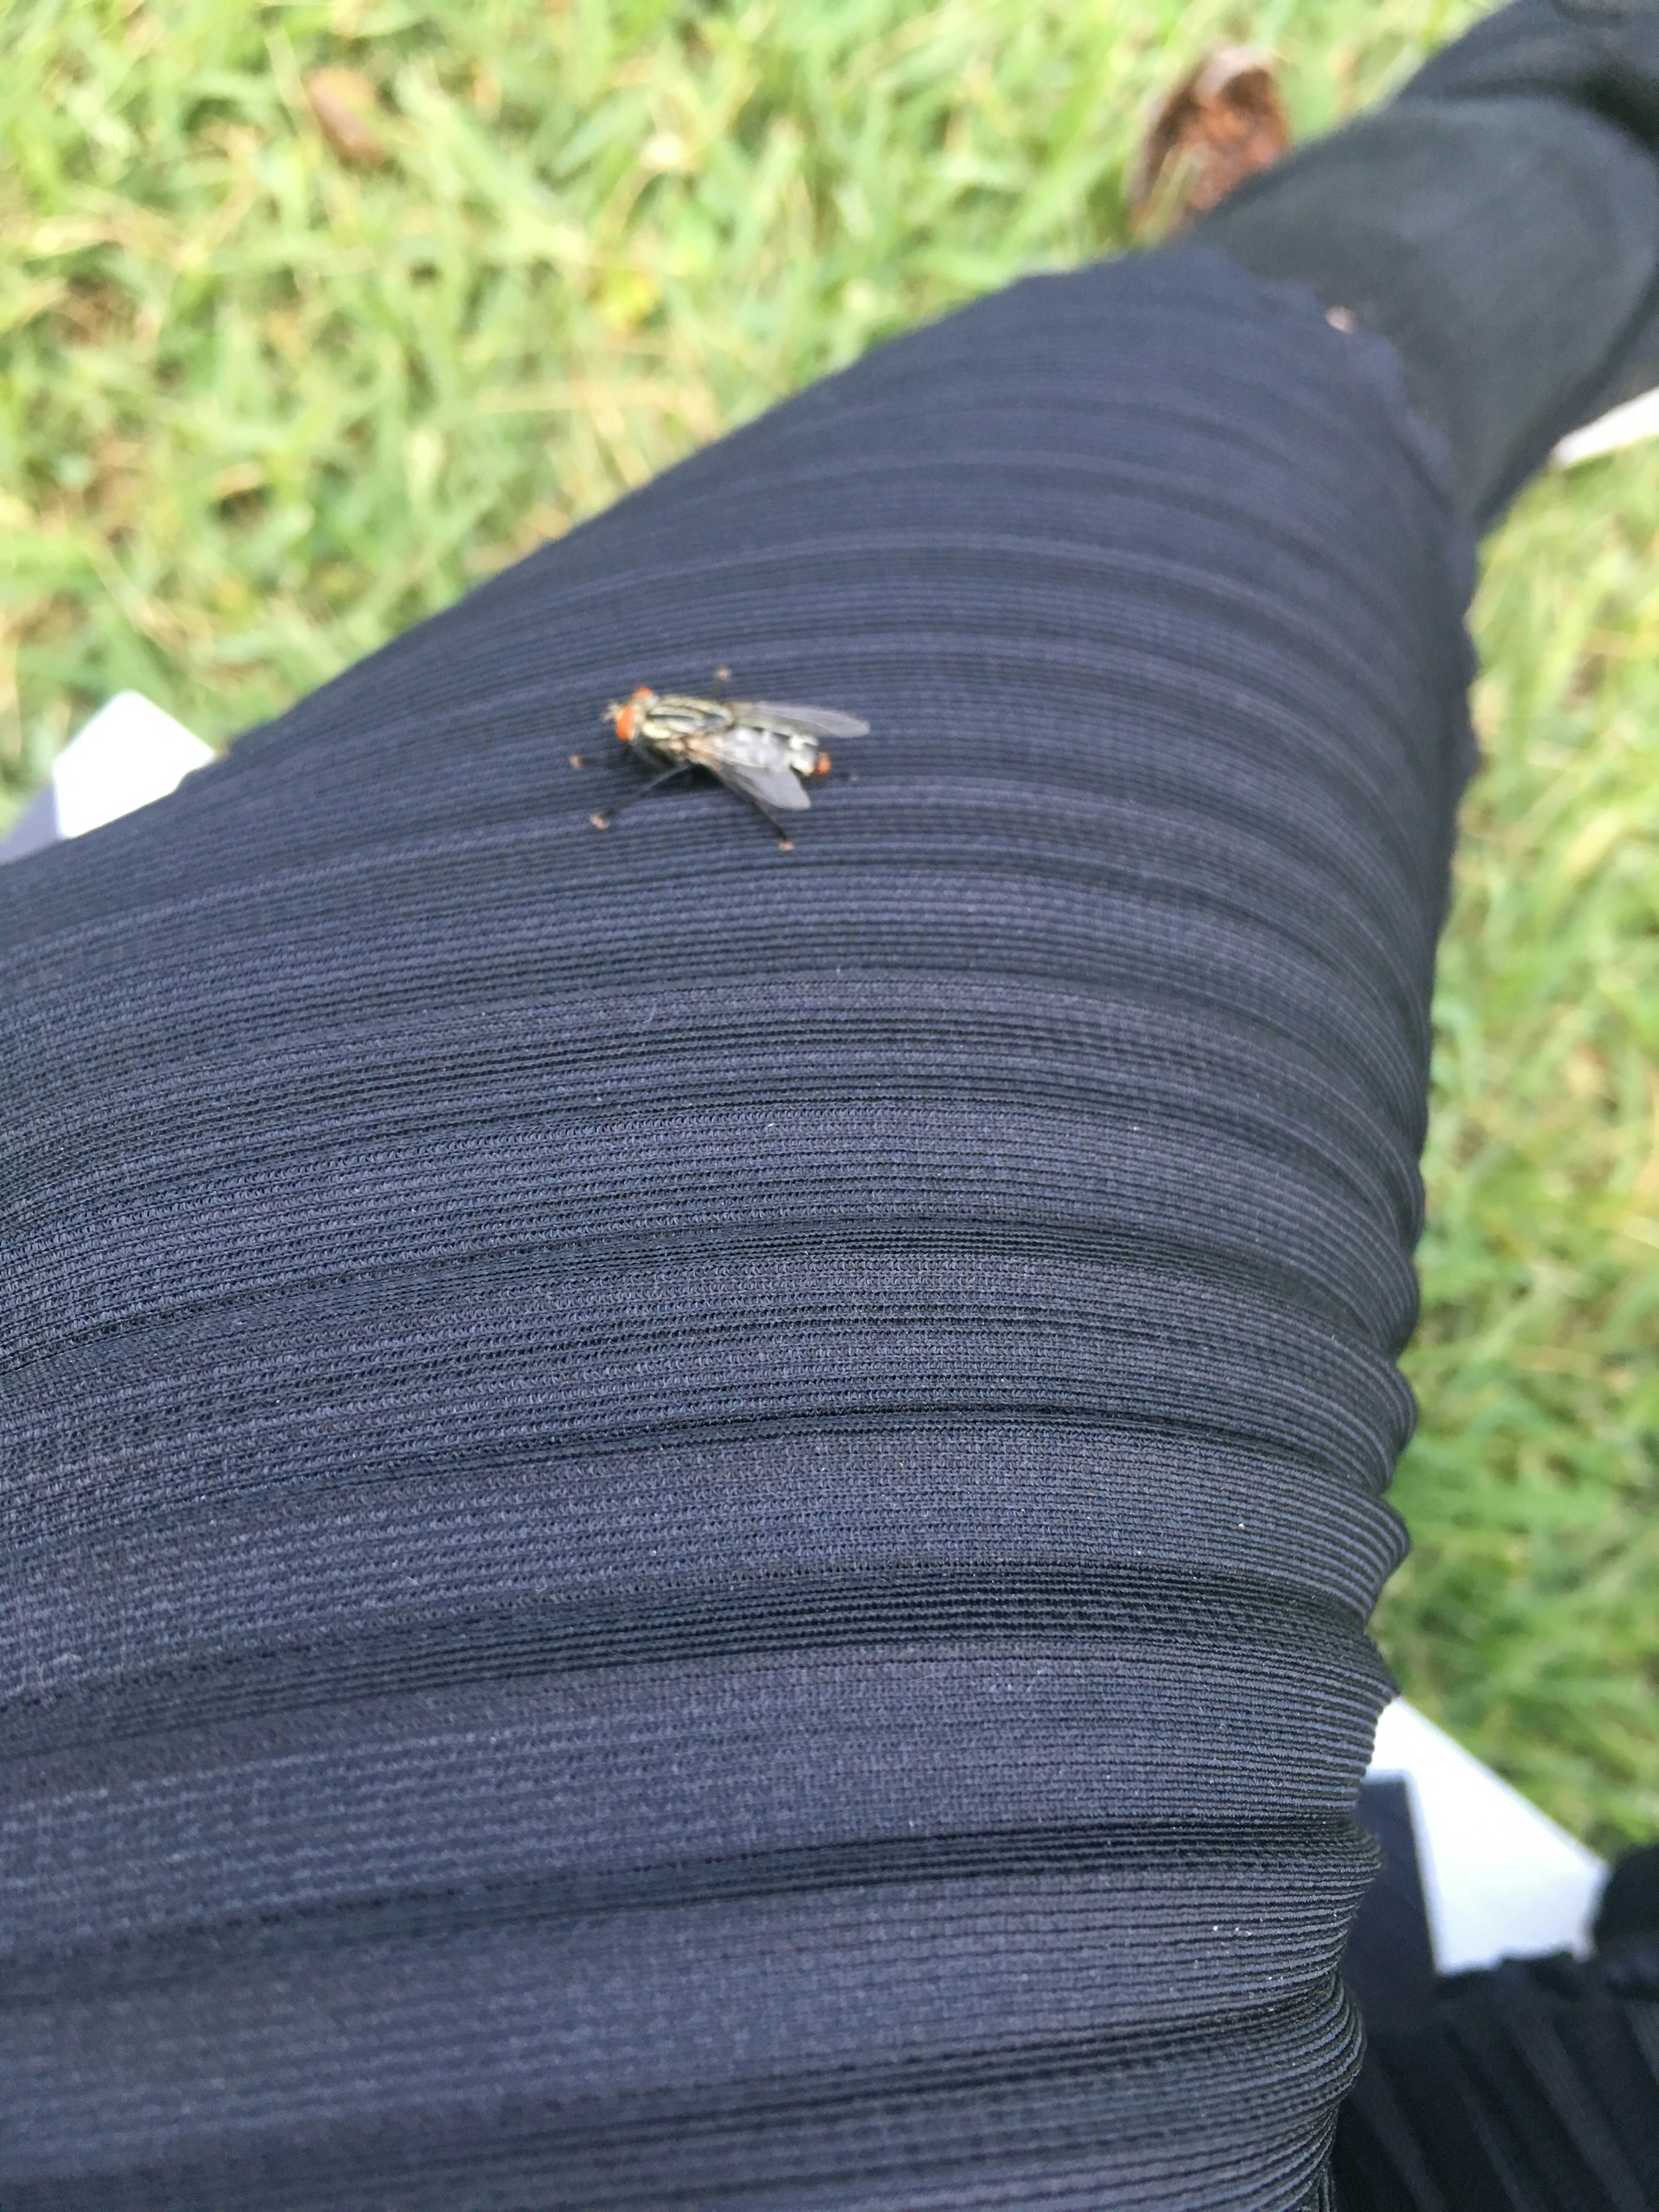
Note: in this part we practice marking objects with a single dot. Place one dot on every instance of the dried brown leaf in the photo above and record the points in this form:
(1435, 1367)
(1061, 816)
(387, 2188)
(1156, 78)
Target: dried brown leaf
(1222, 122)
(342, 101)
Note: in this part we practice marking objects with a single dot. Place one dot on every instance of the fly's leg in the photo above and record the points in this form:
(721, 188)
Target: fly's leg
(786, 842)
(603, 819)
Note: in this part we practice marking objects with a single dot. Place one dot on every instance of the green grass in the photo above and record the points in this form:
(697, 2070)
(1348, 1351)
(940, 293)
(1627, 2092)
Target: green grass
(262, 410)
(1528, 1618)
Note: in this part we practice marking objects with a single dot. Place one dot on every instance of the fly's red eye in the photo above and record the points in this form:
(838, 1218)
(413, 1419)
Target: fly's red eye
(630, 714)
(821, 765)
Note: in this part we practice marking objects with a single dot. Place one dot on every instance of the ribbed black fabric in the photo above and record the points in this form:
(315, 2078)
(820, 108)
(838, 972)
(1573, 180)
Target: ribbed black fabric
(1599, 56)
(1509, 248)
(1388, 1965)
(1531, 2087)
(689, 1525)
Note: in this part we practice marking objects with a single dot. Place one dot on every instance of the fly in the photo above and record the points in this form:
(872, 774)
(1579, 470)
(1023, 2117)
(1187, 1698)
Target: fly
(766, 752)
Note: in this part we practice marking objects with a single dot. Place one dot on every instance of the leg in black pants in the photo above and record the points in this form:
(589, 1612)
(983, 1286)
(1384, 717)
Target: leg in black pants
(692, 1526)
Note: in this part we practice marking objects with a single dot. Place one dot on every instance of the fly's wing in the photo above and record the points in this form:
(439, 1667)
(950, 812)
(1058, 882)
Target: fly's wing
(811, 721)
(749, 762)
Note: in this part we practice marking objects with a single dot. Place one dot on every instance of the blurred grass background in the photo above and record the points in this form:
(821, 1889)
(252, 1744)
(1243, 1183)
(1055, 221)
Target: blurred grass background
(265, 406)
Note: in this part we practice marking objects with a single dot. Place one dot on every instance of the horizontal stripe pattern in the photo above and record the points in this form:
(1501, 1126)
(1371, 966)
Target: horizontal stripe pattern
(692, 1524)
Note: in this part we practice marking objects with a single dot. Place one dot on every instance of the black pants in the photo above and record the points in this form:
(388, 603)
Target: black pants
(692, 1525)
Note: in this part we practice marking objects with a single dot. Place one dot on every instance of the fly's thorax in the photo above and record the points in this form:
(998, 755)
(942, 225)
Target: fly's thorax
(671, 714)
(657, 744)
(675, 728)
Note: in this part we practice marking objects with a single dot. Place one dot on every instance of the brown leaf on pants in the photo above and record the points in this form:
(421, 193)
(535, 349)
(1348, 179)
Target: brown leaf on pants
(342, 102)
(1223, 122)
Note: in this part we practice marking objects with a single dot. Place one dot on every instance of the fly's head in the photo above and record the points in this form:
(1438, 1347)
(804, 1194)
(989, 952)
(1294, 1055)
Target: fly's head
(661, 726)
(628, 717)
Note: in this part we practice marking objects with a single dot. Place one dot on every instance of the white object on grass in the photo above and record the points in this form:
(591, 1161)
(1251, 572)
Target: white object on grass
(1636, 419)
(130, 753)
(1500, 1879)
